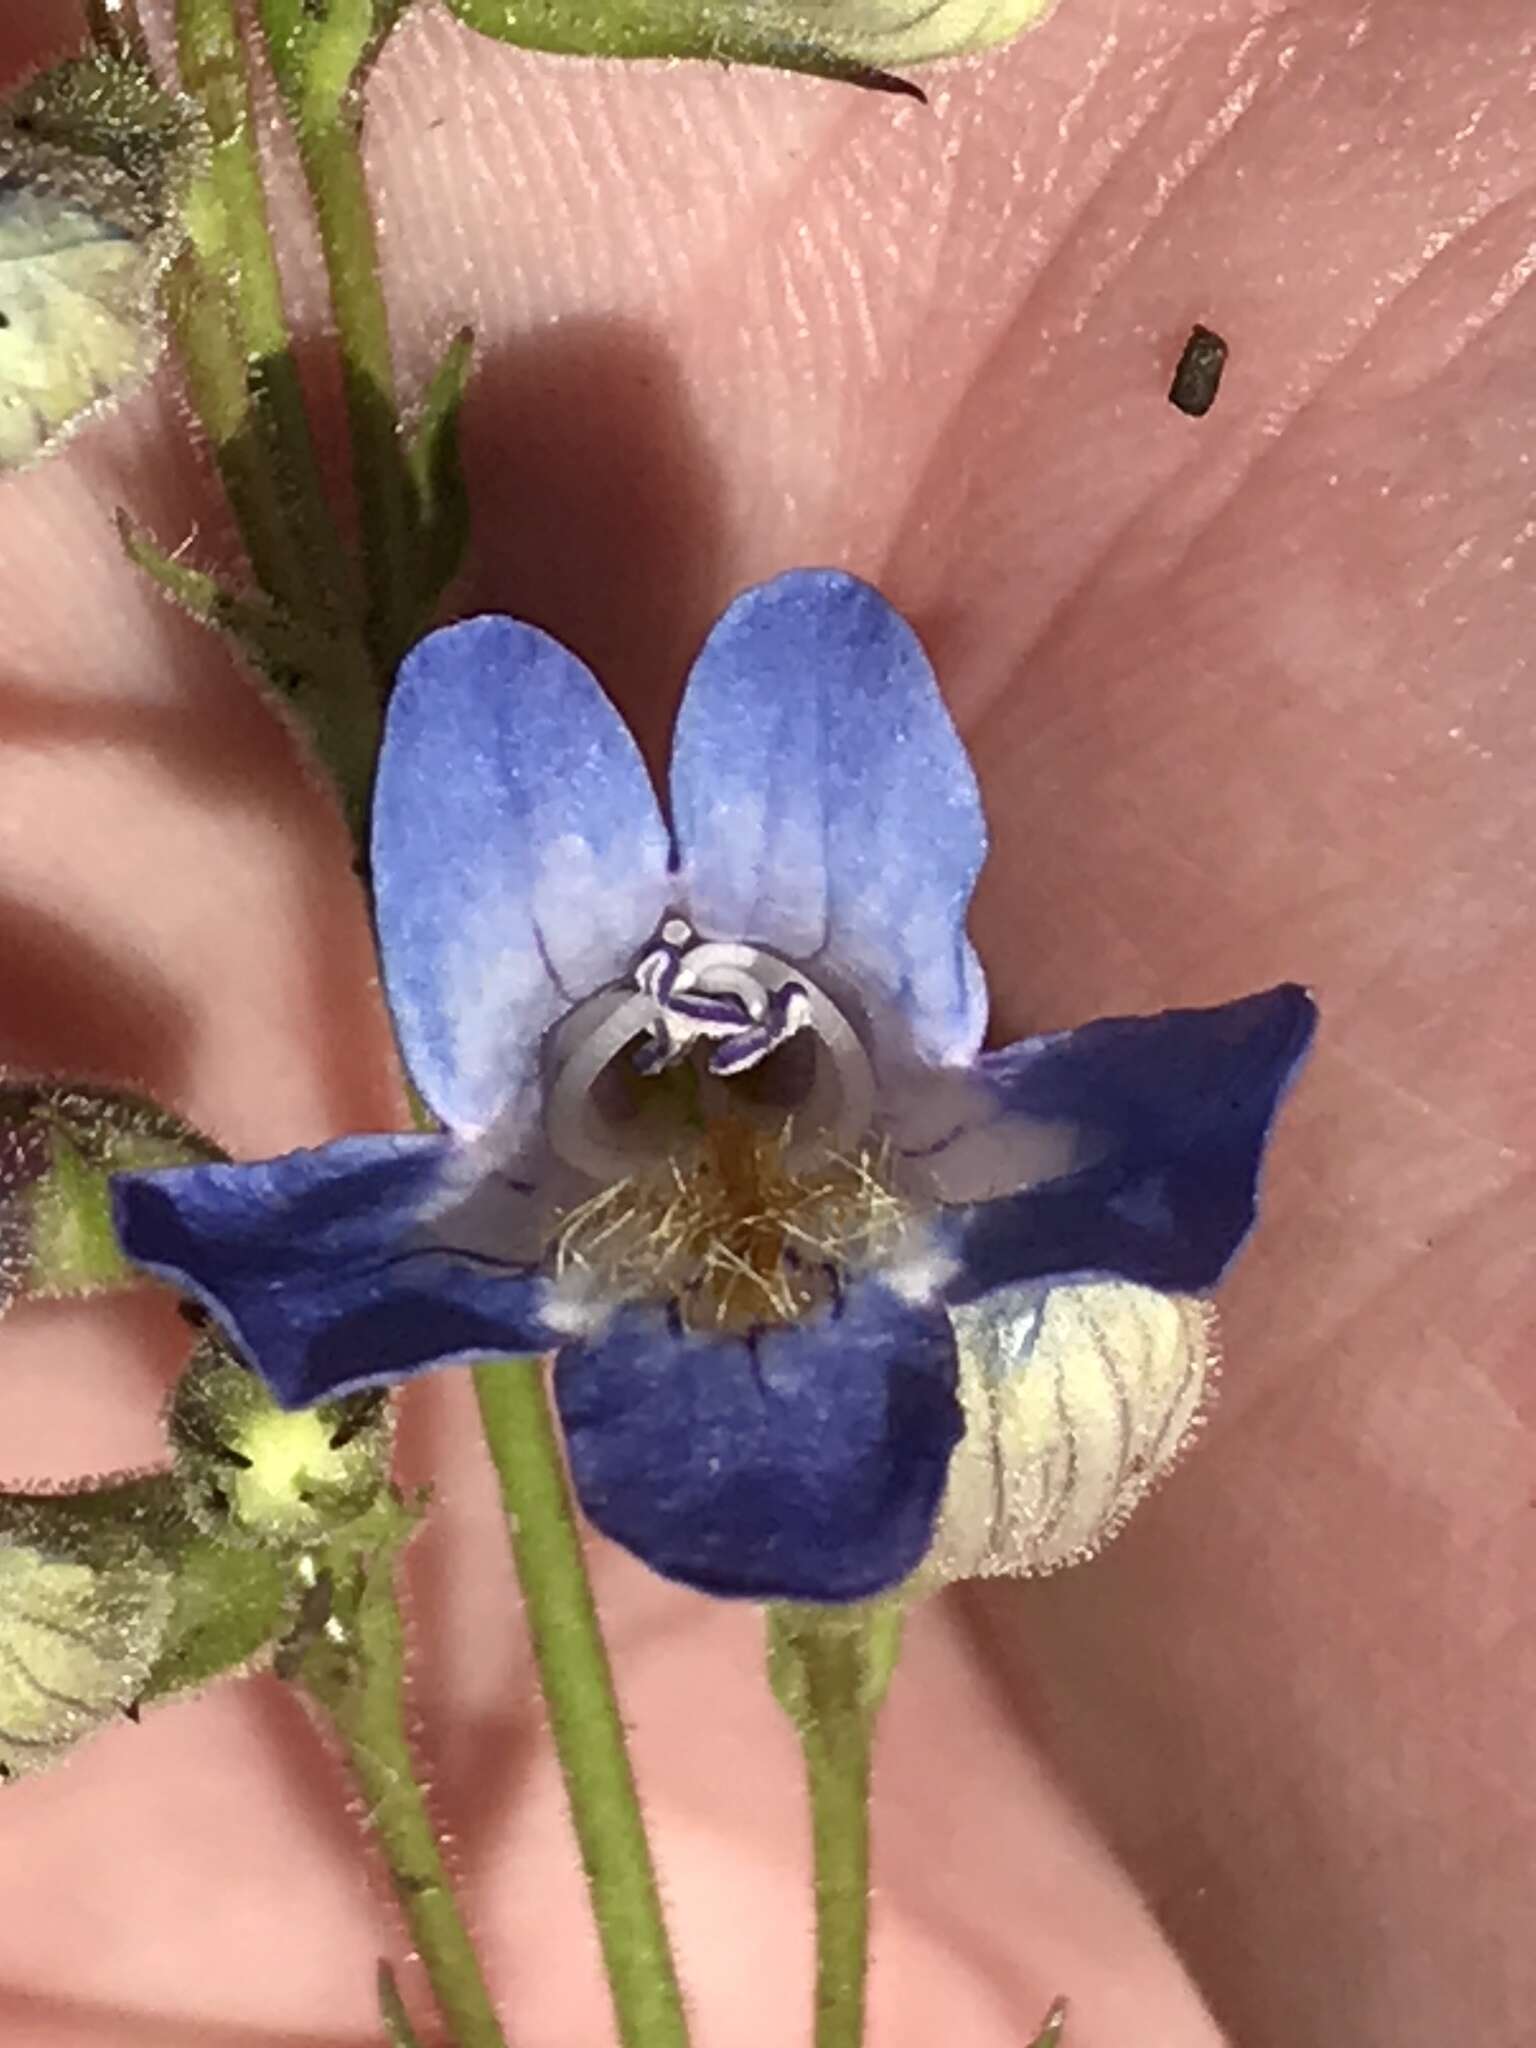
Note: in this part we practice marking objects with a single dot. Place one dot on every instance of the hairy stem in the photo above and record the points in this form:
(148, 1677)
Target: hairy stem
(232, 240)
(583, 1711)
(357, 1675)
(217, 384)
(332, 159)
(829, 1668)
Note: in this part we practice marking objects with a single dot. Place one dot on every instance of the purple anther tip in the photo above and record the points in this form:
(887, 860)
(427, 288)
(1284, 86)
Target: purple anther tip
(657, 973)
(699, 1006)
(735, 1054)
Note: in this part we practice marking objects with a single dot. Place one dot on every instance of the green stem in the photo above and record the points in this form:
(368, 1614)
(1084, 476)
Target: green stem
(838, 1774)
(215, 366)
(829, 1668)
(332, 158)
(361, 1686)
(340, 699)
(583, 1711)
(232, 238)
(225, 302)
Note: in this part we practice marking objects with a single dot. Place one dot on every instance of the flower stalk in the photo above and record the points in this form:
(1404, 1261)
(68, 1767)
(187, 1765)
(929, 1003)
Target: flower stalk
(354, 1669)
(584, 1717)
(829, 1668)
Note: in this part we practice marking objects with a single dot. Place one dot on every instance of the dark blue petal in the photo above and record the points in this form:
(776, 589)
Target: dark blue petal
(322, 1266)
(825, 807)
(1172, 1111)
(805, 1463)
(519, 857)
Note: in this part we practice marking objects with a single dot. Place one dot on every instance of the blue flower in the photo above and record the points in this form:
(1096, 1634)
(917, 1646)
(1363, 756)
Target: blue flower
(717, 1124)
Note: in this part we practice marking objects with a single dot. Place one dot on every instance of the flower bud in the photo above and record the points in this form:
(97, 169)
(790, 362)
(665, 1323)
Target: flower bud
(94, 161)
(1077, 1400)
(84, 1607)
(253, 1473)
(861, 40)
(60, 1143)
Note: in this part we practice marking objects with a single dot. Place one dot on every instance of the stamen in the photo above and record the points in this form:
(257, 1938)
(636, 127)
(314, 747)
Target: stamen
(709, 1012)
(789, 1012)
(656, 974)
(735, 1236)
(712, 1014)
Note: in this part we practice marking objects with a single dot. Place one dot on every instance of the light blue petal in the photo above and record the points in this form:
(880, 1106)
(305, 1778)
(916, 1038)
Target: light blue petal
(825, 807)
(1168, 1118)
(328, 1269)
(801, 1463)
(519, 857)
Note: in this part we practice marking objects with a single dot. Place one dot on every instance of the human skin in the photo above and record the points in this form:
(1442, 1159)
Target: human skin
(1245, 698)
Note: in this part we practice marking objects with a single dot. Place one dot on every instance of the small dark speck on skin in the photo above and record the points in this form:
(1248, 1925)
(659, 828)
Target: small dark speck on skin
(1198, 376)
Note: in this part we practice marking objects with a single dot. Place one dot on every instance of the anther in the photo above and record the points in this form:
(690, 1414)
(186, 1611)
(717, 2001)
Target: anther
(789, 1012)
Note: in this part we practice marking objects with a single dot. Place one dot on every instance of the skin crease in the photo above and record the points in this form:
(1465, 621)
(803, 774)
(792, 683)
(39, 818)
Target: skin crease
(1245, 694)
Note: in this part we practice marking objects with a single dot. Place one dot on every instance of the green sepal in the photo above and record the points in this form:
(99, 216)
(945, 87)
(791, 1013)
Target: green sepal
(398, 2031)
(60, 1143)
(124, 144)
(831, 1665)
(1052, 2027)
(115, 31)
(99, 161)
(231, 1607)
(434, 463)
(252, 1474)
(298, 660)
(292, 655)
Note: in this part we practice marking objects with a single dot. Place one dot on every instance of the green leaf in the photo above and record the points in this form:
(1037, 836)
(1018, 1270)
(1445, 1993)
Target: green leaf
(437, 473)
(60, 1143)
(856, 40)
